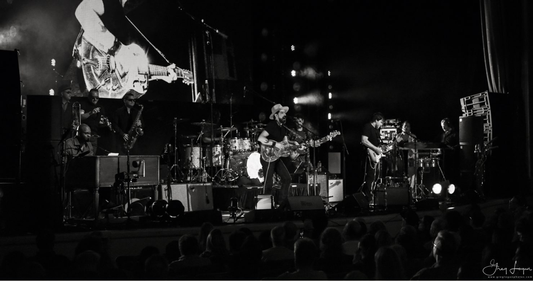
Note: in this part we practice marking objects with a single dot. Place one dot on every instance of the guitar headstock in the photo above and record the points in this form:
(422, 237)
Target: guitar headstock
(333, 134)
(186, 75)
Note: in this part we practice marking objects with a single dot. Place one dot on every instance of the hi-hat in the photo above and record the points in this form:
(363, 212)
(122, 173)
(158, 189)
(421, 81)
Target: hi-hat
(203, 123)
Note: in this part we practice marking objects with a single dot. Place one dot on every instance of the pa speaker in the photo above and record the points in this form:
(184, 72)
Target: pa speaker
(361, 200)
(470, 130)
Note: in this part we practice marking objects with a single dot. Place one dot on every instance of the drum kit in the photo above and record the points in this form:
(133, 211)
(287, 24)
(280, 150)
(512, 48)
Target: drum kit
(214, 154)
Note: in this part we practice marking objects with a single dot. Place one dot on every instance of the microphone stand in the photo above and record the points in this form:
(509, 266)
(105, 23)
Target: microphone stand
(343, 155)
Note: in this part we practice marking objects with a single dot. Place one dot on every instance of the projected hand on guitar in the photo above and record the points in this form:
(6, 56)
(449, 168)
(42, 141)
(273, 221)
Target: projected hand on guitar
(127, 69)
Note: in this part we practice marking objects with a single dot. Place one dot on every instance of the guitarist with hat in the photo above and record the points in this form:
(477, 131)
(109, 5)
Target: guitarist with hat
(273, 140)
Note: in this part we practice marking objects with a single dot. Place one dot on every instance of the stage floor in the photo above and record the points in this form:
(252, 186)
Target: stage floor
(129, 237)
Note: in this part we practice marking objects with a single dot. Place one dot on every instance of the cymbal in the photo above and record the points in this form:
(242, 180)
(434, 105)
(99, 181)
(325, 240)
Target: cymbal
(203, 123)
(227, 129)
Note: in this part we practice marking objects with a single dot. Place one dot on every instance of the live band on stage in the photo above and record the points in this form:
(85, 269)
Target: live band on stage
(269, 155)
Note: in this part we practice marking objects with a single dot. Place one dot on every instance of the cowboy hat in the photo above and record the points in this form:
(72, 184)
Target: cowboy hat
(276, 108)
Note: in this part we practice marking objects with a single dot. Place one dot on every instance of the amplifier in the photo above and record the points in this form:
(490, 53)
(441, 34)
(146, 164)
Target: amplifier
(321, 181)
(193, 196)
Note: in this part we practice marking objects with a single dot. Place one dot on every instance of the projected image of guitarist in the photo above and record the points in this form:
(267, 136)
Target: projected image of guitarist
(370, 139)
(274, 155)
(107, 53)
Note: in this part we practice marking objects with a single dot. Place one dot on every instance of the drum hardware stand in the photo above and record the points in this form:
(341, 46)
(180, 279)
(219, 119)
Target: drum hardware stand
(175, 166)
(226, 173)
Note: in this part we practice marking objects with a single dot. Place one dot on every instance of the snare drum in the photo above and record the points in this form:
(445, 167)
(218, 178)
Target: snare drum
(191, 157)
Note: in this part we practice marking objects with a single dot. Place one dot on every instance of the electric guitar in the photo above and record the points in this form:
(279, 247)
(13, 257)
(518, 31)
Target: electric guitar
(271, 154)
(127, 69)
(374, 157)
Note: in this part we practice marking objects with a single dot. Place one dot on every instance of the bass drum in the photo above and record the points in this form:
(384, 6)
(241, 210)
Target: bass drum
(254, 169)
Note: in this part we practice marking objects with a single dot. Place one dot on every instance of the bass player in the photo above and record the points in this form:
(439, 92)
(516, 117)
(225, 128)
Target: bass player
(274, 140)
(370, 139)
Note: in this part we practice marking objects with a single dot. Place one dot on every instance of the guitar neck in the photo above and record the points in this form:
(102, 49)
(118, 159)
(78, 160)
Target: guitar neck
(158, 70)
(153, 70)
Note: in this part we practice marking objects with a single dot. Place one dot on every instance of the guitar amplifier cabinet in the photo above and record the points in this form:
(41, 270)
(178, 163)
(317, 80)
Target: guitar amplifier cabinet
(92, 172)
(193, 196)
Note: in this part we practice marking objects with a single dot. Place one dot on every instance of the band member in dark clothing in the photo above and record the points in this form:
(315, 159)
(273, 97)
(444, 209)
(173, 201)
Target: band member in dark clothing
(370, 139)
(450, 142)
(94, 116)
(123, 121)
(275, 138)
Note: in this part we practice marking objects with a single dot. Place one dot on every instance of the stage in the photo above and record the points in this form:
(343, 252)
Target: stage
(129, 237)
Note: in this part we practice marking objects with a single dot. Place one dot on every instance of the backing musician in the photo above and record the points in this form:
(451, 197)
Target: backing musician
(405, 136)
(370, 139)
(276, 135)
(94, 116)
(301, 158)
(80, 144)
(124, 120)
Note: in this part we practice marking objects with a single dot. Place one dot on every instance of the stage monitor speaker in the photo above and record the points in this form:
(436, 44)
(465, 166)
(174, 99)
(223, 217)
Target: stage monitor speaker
(194, 196)
(361, 200)
(305, 203)
(389, 196)
(336, 190)
(334, 162)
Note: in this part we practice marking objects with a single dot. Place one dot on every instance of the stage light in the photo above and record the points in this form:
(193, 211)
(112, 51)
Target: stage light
(451, 188)
(295, 100)
(293, 48)
(53, 62)
(51, 92)
(329, 116)
(175, 208)
(330, 95)
(437, 188)
(293, 73)
(158, 208)
(329, 73)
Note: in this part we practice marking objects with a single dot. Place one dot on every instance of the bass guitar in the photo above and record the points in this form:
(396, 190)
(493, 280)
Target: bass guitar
(126, 69)
(271, 154)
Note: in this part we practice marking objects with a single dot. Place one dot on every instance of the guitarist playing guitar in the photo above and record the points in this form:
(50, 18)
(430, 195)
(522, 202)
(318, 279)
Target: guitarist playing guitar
(275, 135)
(108, 55)
(370, 139)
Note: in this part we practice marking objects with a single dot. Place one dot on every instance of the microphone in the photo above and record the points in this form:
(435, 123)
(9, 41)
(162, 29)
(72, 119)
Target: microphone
(244, 92)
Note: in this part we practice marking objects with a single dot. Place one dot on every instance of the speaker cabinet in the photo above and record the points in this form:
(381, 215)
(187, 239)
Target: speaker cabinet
(336, 190)
(193, 196)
